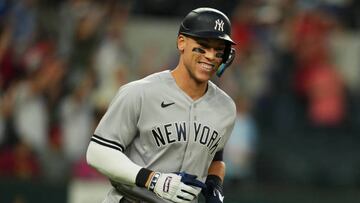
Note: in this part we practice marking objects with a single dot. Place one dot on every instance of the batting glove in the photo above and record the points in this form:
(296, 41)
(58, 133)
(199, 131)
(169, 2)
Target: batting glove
(175, 187)
(213, 192)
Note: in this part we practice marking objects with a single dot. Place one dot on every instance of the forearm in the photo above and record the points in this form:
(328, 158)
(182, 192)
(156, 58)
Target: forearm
(112, 163)
(217, 168)
(119, 168)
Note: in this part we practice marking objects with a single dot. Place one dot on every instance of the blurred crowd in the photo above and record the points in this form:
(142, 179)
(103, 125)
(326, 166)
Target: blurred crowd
(297, 68)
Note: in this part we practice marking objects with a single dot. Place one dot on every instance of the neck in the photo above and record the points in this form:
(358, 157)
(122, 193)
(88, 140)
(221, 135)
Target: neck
(191, 87)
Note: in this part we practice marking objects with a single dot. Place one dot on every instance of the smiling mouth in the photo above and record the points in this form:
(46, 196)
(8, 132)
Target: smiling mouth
(207, 66)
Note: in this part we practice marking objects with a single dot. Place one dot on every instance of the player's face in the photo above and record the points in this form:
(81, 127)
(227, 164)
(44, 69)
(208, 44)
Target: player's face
(202, 57)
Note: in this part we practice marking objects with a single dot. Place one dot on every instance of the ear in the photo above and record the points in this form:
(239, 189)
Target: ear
(181, 43)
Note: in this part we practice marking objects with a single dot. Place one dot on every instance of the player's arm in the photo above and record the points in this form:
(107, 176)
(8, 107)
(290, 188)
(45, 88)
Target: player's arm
(112, 162)
(214, 181)
(118, 167)
(217, 168)
(216, 171)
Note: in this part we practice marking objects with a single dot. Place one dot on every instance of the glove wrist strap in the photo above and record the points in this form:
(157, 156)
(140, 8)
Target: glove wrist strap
(153, 181)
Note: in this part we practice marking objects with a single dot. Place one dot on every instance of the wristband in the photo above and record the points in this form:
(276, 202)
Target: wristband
(142, 177)
(215, 179)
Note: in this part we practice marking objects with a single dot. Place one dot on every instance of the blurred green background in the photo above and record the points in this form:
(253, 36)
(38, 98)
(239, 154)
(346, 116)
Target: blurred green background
(295, 80)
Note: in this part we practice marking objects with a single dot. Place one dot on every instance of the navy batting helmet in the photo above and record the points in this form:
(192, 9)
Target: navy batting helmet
(207, 23)
(210, 23)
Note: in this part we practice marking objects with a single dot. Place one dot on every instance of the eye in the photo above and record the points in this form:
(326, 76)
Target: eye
(219, 55)
(199, 50)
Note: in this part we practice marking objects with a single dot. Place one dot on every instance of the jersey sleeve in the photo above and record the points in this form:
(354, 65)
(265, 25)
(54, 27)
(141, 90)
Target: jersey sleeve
(219, 156)
(118, 127)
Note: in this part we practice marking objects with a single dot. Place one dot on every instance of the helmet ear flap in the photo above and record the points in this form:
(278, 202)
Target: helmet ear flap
(228, 58)
(227, 51)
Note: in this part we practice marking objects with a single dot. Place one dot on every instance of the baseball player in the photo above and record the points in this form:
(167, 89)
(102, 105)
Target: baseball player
(163, 136)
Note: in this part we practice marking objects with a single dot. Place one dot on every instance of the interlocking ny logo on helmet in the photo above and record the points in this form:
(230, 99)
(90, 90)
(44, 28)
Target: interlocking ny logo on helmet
(219, 25)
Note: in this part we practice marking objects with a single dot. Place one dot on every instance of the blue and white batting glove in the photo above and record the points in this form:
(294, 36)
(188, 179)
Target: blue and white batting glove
(175, 187)
(213, 192)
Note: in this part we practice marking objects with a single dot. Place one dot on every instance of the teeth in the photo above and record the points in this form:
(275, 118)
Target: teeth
(207, 66)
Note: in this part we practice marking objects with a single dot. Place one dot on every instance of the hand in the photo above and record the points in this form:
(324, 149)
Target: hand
(213, 192)
(175, 187)
(189, 179)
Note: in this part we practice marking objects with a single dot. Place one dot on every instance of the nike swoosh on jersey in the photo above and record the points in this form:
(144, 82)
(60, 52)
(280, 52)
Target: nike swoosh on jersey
(163, 105)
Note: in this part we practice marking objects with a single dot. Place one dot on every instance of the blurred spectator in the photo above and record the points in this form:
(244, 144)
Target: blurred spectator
(350, 14)
(76, 121)
(241, 149)
(175, 8)
(2, 129)
(30, 116)
(344, 51)
(5, 6)
(7, 133)
(8, 71)
(70, 14)
(24, 19)
(325, 95)
(112, 58)
(316, 79)
(249, 73)
(19, 161)
(79, 36)
(54, 165)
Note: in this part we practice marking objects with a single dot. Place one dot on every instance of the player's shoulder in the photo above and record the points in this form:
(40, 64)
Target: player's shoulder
(219, 93)
(157, 78)
(221, 97)
(149, 81)
(152, 79)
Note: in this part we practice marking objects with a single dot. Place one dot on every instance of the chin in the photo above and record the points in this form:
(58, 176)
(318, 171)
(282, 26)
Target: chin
(203, 77)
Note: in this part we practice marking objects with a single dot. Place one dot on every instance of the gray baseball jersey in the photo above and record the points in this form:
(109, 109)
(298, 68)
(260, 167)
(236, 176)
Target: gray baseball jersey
(158, 126)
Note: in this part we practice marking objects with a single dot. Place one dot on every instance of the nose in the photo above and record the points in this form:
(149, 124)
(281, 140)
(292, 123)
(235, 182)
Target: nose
(210, 54)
